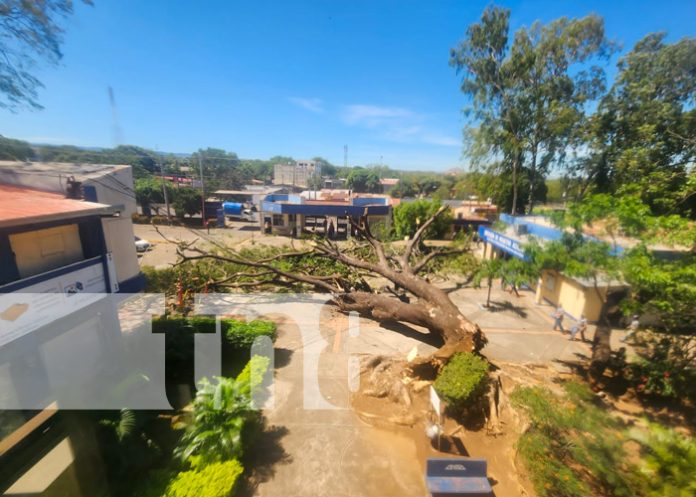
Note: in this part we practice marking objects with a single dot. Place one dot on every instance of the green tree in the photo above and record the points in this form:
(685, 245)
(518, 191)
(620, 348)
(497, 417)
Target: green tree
(187, 201)
(363, 180)
(15, 150)
(327, 169)
(527, 96)
(641, 139)
(489, 270)
(221, 169)
(28, 31)
(409, 216)
(149, 191)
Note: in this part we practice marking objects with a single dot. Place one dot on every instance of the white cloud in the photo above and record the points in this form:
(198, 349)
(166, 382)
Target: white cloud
(443, 140)
(373, 115)
(311, 104)
(397, 124)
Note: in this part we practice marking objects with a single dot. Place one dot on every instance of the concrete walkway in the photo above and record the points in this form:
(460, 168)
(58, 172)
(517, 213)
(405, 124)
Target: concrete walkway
(521, 331)
(330, 451)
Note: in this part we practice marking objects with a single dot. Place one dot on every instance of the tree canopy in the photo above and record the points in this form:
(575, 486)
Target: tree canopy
(29, 32)
(528, 94)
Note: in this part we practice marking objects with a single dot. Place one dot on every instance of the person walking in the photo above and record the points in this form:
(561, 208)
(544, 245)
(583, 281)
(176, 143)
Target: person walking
(580, 327)
(632, 328)
(558, 319)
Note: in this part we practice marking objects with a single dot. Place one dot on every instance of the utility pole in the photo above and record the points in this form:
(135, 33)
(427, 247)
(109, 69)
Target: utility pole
(164, 191)
(200, 168)
(345, 155)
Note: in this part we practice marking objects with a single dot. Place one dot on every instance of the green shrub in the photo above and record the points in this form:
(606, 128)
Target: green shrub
(242, 334)
(213, 480)
(409, 216)
(159, 280)
(463, 379)
(223, 416)
(666, 369)
(155, 485)
(239, 334)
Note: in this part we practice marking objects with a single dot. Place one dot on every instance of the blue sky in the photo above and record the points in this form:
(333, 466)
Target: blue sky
(298, 78)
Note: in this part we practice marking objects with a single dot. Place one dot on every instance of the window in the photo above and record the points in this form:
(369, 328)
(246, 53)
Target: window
(278, 220)
(43, 250)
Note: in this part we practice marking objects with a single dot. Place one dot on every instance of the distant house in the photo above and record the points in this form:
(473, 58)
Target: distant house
(468, 215)
(388, 184)
(330, 183)
(577, 295)
(326, 212)
(296, 174)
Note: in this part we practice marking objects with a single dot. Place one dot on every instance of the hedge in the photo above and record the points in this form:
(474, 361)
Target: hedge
(213, 480)
(463, 379)
(239, 334)
(218, 479)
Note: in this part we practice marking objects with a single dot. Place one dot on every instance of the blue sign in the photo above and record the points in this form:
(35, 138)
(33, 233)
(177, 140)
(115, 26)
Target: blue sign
(504, 243)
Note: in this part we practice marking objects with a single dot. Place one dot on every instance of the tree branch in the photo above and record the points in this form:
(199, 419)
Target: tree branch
(413, 242)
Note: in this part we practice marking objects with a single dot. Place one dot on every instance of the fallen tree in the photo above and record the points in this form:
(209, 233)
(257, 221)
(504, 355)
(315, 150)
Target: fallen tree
(414, 299)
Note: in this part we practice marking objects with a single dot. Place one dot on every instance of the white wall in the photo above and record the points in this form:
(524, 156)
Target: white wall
(116, 188)
(118, 232)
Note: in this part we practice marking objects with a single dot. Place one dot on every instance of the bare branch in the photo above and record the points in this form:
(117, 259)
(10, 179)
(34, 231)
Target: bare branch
(364, 228)
(413, 242)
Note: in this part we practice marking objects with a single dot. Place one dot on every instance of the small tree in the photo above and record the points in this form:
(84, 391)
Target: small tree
(187, 201)
(488, 271)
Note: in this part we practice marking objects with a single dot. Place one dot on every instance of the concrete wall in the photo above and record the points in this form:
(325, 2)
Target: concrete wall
(116, 188)
(118, 233)
(574, 297)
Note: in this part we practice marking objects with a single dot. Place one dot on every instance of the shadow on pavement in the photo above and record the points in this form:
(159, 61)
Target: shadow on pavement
(507, 306)
(263, 455)
(427, 338)
(282, 357)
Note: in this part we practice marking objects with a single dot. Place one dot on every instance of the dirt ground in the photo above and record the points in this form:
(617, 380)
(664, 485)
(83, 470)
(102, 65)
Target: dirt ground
(237, 234)
(475, 438)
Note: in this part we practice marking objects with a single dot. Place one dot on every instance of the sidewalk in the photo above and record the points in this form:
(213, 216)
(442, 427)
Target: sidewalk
(521, 331)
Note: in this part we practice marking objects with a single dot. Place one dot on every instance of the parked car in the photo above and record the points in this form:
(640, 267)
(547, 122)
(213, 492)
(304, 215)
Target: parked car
(142, 245)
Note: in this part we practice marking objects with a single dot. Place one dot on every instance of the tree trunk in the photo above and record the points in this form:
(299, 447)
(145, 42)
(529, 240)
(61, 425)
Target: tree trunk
(488, 298)
(515, 165)
(532, 179)
(442, 318)
(601, 344)
(601, 351)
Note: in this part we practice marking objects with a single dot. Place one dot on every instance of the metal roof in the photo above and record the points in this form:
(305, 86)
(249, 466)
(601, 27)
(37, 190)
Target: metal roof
(22, 206)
